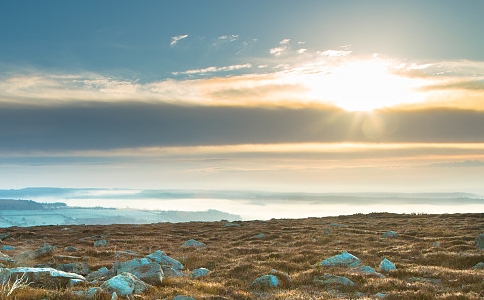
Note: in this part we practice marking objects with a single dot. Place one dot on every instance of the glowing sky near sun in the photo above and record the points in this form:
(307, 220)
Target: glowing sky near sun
(306, 96)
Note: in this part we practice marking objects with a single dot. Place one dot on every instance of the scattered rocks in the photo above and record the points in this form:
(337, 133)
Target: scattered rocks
(330, 279)
(480, 241)
(479, 266)
(41, 277)
(266, 281)
(100, 243)
(125, 284)
(386, 266)
(200, 272)
(389, 234)
(344, 259)
(144, 269)
(194, 243)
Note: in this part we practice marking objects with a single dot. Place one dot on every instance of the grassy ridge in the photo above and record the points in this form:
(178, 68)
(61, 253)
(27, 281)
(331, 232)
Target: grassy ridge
(434, 255)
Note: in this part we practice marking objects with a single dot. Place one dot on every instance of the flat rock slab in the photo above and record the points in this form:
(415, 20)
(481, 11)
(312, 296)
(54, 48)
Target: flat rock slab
(41, 277)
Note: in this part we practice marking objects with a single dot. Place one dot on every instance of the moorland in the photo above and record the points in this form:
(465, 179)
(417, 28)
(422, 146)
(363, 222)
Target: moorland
(434, 256)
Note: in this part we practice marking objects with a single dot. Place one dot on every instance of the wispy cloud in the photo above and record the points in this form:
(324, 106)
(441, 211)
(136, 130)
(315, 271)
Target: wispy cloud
(230, 38)
(213, 69)
(336, 53)
(176, 39)
(277, 51)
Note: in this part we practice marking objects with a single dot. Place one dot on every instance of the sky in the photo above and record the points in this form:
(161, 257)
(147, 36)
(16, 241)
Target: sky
(276, 95)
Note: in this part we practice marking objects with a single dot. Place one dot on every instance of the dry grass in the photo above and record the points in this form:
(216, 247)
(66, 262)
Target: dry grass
(236, 257)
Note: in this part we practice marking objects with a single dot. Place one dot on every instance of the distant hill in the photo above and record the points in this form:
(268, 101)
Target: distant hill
(10, 204)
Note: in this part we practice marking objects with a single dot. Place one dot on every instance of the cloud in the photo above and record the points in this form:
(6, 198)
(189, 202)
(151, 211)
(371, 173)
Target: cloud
(176, 39)
(230, 38)
(335, 53)
(214, 69)
(277, 51)
(302, 50)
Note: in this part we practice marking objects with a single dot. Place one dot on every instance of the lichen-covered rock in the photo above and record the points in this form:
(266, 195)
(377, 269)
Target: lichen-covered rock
(164, 260)
(389, 234)
(200, 272)
(344, 259)
(125, 284)
(480, 241)
(144, 269)
(387, 266)
(41, 277)
(194, 243)
(334, 280)
(266, 281)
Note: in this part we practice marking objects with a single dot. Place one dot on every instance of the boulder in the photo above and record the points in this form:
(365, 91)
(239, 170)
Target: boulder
(100, 243)
(164, 260)
(170, 272)
(480, 241)
(125, 284)
(142, 268)
(41, 277)
(200, 272)
(80, 268)
(344, 259)
(386, 266)
(389, 234)
(194, 243)
(334, 280)
(266, 281)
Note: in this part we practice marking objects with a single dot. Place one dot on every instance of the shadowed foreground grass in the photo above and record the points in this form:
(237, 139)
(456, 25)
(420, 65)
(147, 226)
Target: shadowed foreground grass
(434, 255)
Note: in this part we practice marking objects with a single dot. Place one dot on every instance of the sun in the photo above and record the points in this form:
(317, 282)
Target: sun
(362, 85)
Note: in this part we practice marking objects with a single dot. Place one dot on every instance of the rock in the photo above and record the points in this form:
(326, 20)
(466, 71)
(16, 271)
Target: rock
(231, 224)
(41, 277)
(70, 249)
(479, 266)
(200, 272)
(29, 255)
(5, 258)
(194, 243)
(98, 275)
(78, 268)
(74, 282)
(344, 259)
(327, 231)
(183, 297)
(114, 296)
(7, 248)
(142, 268)
(436, 244)
(4, 235)
(386, 266)
(260, 236)
(367, 270)
(380, 295)
(284, 278)
(100, 243)
(164, 260)
(93, 292)
(334, 280)
(480, 241)
(389, 234)
(125, 253)
(266, 281)
(125, 284)
(170, 272)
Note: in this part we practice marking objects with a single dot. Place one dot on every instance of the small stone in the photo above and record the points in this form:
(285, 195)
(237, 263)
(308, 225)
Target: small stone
(389, 234)
(114, 296)
(70, 249)
(327, 231)
(266, 281)
(386, 266)
(336, 280)
(480, 241)
(260, 236)
(7, 248)
(479, 266)
(200, 272)
(183, 297)
(194, 243)
(100, 243)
